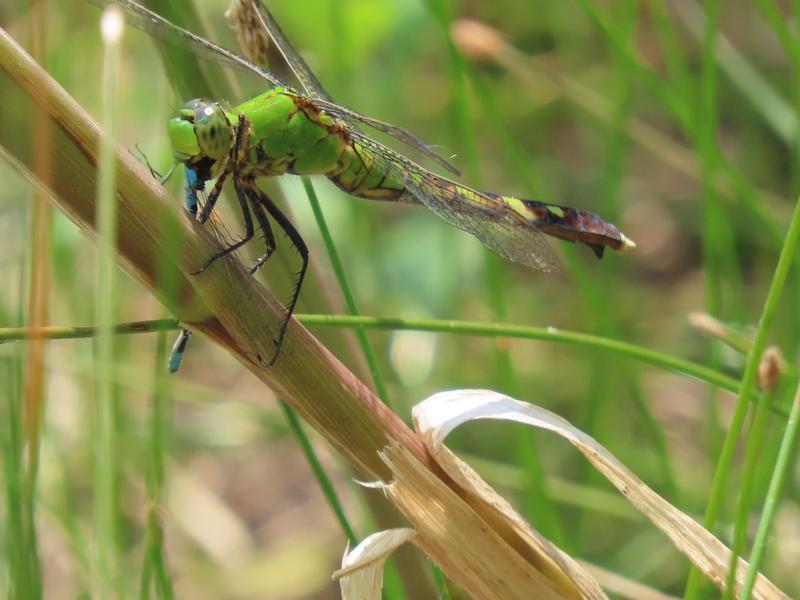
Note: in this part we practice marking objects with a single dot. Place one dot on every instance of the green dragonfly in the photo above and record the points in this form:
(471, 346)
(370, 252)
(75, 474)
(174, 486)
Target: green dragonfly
(287, 131)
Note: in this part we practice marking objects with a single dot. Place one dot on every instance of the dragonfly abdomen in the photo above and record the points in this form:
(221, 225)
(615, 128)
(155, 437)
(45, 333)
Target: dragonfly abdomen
(360, 176)
(569, 224)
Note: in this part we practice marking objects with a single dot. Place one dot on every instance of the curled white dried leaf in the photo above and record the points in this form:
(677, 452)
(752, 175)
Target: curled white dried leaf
(496, 510)
(361, 575)
(438, 415)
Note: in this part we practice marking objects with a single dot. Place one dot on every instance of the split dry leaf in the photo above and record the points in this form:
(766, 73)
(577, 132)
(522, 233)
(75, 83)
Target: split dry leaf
(437, 416)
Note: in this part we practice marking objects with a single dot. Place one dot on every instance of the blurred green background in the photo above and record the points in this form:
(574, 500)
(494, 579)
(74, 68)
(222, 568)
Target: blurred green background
(617, 107)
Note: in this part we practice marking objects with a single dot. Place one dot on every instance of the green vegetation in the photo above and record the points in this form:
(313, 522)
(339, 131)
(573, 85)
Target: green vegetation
(681, 128)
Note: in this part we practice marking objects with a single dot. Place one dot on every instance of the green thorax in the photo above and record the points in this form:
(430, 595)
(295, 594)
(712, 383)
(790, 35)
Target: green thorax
(289, 134)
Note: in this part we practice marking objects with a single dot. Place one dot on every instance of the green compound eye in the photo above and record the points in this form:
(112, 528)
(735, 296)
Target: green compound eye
(183, 138)
(213, 131)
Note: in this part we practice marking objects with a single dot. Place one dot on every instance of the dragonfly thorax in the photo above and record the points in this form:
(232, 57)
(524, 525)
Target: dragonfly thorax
(199, 131)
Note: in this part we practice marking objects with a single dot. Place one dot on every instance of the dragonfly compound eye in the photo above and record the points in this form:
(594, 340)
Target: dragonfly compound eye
(213, 130)
(181, 133)
(200, 129)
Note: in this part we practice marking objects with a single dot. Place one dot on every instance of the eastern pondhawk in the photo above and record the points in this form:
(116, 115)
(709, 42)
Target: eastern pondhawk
(305, 133)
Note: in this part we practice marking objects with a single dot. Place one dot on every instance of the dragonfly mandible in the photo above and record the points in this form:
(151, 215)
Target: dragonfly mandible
(286, 131)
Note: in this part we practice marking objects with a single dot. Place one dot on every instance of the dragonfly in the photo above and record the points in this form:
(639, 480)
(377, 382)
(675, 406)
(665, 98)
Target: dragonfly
(302, 131)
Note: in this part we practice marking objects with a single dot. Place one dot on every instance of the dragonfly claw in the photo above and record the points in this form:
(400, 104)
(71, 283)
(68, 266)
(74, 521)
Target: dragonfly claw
(255, 268)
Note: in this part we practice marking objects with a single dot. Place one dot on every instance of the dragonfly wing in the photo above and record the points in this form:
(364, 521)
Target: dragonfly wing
(159, 27)
(252, 20)
(487, 218)
(399, 133)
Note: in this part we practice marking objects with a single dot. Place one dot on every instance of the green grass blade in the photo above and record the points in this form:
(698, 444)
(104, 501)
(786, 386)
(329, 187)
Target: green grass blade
(773, 109)
(392, 585)
(20, 532)
(155, 572)
(749, 379)
(539, 507)
(474, 328)
(323, 481)
(753, 454)
(782, 467)
(106, 507)
(658, 359)
(350, 301)
(669, 97)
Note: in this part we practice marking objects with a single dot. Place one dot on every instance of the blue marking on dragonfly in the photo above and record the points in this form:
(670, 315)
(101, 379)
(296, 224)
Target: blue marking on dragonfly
(176, 356)
(191, 186)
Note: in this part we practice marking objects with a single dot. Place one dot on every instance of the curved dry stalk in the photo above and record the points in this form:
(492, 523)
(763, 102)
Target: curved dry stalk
(161, 247)
(157, 244)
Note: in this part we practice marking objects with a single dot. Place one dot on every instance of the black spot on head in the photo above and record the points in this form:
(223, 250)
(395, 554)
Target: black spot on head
(212, 133)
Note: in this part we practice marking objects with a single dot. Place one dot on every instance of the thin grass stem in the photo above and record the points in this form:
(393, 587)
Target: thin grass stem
(782, 466)
(349, 298)
(107, 559)
(323, 481)
(749, 379)
(475, 328)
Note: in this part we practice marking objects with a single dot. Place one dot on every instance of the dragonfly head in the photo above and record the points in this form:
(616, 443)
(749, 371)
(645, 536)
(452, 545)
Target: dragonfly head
(200, 131)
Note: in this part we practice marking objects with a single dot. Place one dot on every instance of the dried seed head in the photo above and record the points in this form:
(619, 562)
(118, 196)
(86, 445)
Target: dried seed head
(477, 41)
(252, 38)
(706, 323)
(739, 340)
(770, 367)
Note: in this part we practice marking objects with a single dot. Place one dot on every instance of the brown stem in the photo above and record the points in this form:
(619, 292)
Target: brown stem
(157, 245)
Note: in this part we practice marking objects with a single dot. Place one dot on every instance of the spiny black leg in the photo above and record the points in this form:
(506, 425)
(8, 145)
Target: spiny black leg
(242, 131)
(263, 222)
(248, 235)
(302, 249)
(208, 207)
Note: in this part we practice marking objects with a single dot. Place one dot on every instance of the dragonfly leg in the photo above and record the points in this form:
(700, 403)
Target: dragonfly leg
(162, 179)
(269, 237)
(249, 231)
(257, 195)
(213, 196)
(241, 140)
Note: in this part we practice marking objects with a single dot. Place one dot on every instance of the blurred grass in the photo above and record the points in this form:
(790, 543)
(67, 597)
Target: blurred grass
(392, 60)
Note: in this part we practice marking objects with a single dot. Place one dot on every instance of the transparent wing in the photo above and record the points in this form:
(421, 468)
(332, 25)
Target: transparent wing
(159, 27)
(398, 133)
(489, 219)
(250, 19)
(251, 13)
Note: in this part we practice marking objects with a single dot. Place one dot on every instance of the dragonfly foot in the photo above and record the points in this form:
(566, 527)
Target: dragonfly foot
(272, 360)
(255, 268)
